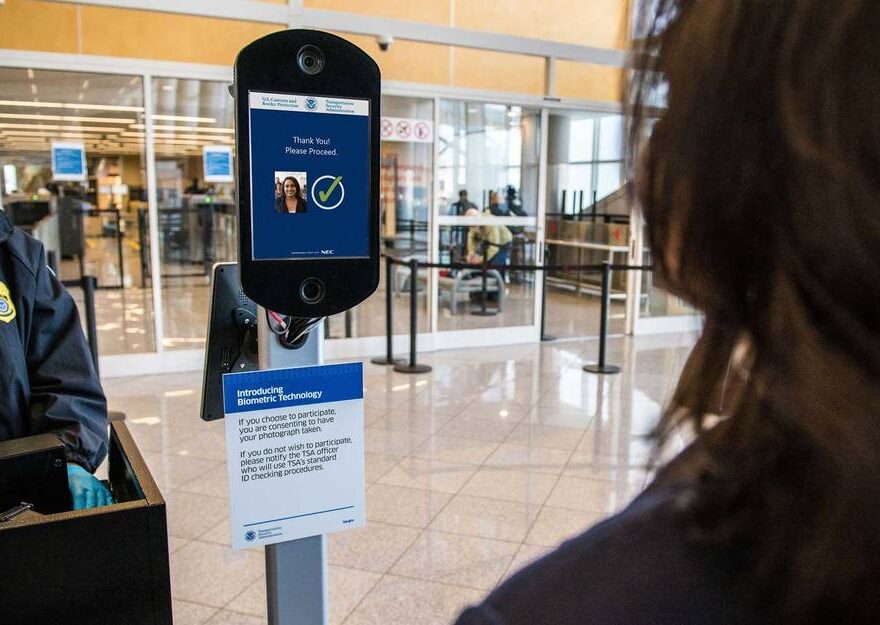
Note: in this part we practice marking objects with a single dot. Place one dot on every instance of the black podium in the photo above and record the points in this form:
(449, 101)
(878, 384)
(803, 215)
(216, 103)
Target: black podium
(99, 566)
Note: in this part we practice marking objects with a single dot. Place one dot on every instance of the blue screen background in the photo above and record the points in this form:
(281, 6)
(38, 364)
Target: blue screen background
(345, 229)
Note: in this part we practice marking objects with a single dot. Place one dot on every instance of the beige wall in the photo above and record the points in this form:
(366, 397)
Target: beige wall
(52, 27)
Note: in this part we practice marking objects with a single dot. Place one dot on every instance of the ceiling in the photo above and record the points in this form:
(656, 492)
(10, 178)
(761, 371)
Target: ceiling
(106, 113)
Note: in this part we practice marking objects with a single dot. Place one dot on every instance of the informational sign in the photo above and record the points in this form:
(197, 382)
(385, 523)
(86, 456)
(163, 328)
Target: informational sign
(310, 169)
(217, 161)
(69, 161)
(295, 452)
(406, 129)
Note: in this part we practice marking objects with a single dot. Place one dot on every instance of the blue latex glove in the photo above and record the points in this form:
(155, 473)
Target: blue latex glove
(87, 490)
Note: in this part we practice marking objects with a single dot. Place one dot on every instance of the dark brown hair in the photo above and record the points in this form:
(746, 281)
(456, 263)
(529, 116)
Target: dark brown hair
(296, 182)
(760, 184)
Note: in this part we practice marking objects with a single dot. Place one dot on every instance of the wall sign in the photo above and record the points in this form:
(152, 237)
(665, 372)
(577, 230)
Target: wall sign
(406, 129)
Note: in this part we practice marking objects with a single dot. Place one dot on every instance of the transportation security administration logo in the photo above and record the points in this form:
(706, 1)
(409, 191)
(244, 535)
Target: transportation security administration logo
(312, 103)
(250, 536)
(7, 308)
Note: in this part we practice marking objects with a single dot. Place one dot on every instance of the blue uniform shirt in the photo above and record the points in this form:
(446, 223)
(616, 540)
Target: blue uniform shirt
(47, 379)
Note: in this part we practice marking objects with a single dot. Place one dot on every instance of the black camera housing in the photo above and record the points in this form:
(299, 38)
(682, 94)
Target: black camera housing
(306, 287)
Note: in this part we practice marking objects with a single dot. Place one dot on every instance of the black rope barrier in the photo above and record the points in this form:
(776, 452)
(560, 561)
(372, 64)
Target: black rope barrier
(388, 358)
(602, 366)
(89, 285)
(412, 366)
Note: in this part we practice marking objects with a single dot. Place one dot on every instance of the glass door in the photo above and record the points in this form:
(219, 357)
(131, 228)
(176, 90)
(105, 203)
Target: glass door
(486, 209)
(587, 221)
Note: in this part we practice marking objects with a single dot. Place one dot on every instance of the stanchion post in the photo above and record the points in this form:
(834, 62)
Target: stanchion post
(601, 367)
(388, 358)
(412, 366)
(89, 286)
(544, 335)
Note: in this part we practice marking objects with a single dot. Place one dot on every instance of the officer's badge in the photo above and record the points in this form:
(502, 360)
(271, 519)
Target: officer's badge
(7, 308)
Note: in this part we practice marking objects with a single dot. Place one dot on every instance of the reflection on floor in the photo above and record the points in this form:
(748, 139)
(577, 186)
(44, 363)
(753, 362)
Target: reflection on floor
(125, 323)
(473, 470)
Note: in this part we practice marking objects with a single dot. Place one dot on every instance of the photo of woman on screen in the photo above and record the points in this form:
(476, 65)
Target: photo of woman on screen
(293, 199)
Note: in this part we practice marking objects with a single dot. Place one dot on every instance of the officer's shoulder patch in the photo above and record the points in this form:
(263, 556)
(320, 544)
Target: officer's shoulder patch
(7, 308)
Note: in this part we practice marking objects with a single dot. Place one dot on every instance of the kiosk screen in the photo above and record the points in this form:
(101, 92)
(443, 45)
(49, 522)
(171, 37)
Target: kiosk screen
(310, 176)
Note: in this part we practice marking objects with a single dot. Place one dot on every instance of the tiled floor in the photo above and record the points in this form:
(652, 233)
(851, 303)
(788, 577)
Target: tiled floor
(473, 471)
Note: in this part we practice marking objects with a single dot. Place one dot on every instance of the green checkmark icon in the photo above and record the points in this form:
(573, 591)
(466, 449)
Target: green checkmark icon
(326, 194)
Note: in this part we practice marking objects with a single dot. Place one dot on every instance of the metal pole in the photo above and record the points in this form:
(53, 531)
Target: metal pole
(296, 571)
(119, 248)
(544, 335)
(142, 241)
(89, 284)
(389, 358)
(412, 366)
(601, 367)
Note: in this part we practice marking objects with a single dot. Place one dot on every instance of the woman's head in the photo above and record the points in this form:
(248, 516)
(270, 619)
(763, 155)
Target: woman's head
(760, 184)
(291, 187)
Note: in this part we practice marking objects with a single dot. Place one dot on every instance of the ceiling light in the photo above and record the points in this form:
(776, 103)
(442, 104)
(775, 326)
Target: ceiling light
(67, 118)
(104, 107)
(229, 131)
(184, 118)
(31, 133)
(75, 106)
(33, 88)
(58, 127)
(167, 87)
(30, 73)
(85, 84)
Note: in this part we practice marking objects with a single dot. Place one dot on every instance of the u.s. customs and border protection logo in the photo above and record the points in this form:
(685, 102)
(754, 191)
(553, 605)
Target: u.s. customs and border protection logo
(7, 308)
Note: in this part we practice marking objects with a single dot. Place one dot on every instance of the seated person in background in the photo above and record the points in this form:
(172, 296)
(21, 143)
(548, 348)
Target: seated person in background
(463, 205)
(495, 206)
(47, 379)
(513, 205)
(761, 193)
(194, 188)
(494, 238)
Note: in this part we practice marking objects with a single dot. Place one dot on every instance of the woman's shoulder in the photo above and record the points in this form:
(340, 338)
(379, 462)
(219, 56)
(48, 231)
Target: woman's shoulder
(637, 567)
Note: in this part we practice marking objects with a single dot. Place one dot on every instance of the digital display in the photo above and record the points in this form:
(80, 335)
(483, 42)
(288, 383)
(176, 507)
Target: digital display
(217, 163)
(68, 161)
(310, 174)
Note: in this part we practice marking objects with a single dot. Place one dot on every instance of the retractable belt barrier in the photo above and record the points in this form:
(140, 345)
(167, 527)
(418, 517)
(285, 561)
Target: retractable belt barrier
(89, 284)
(412, 366)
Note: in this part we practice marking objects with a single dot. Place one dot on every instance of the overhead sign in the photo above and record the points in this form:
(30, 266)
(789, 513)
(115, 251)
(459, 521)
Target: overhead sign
(217, 161)
(295, 452)
(406, 129)
(69, 161)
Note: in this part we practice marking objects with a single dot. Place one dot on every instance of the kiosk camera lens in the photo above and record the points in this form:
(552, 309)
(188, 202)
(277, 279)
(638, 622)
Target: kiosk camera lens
(310, 59)
(311, 291)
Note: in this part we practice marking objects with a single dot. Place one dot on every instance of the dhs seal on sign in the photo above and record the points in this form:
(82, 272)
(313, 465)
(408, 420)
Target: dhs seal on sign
(250, 536)
(7, 308)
